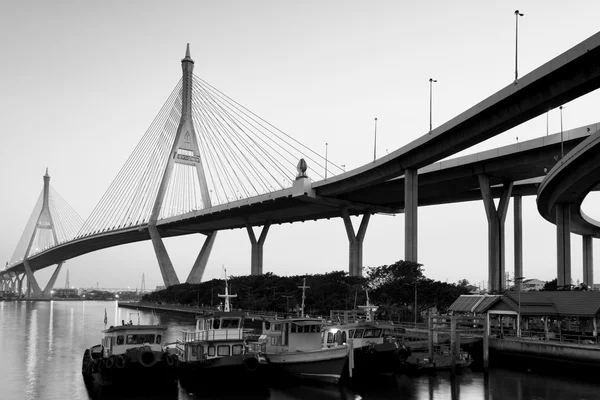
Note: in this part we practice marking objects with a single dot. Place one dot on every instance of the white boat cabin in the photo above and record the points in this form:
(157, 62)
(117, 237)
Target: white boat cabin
(118, 339)
(290, 335)
(361, 333)
(219, 334)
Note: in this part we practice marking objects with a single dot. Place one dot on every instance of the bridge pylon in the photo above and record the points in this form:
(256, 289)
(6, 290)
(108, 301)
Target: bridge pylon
(185, 152)
(44, 232)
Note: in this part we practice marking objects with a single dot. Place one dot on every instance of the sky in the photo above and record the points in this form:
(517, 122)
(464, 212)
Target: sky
(82, 81)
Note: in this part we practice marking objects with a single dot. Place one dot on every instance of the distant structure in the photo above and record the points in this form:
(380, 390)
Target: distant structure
(533, 284)
(67, 284)
(143, 286)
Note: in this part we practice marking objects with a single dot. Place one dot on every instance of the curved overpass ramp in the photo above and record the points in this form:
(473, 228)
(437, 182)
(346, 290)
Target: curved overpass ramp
(569, 182)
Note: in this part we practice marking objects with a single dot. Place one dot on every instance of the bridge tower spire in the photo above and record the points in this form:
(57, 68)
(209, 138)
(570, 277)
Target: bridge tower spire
(184, 151)
(43, 224)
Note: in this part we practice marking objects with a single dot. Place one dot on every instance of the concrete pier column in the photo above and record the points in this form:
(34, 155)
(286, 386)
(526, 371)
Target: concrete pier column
(199, 266)
(256, 267)
(486, 341)
(164, 261)
(32, 284)
(20, 284)
(355, 252)
(496, 242)
(588, 260)
(411, 200)
(518, 236)
(50, 285)
(14, 283)
(563, 245)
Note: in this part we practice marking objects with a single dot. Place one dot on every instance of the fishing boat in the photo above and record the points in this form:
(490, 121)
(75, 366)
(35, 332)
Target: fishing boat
(129, 354)
(292, 348)
(218, 348)
(374, 343)
(440, 359)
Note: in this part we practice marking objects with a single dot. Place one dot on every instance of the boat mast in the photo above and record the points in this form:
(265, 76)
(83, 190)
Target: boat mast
(227, 295)
(369, 309)
(303, 287)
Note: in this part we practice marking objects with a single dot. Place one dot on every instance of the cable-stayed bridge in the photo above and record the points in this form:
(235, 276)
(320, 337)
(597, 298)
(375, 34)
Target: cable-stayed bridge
(207, 164)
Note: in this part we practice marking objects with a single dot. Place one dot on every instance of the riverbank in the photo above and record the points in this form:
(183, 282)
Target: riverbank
(176, 309)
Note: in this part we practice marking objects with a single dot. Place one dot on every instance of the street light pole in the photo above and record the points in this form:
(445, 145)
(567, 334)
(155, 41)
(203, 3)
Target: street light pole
(375, 142)
(562, 150)
(415, 304)
(410, 284)
(431, 80)
(517, 15)
(326, 144)
(520, 280)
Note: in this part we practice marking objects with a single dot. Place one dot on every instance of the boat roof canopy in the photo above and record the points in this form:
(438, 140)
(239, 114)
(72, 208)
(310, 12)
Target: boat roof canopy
(146, 328)
(304, 321)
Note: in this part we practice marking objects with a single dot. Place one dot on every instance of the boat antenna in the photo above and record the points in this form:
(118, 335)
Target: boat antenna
(303, 287)
(227, 295)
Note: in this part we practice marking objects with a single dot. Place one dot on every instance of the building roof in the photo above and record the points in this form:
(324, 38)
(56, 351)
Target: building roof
(560, 303)
(475, 303)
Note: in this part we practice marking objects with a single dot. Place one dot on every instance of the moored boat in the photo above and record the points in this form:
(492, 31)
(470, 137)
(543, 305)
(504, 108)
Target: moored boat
(218, 348)
(129, 354)
(374, 343)
(293, 348)
(440, 359)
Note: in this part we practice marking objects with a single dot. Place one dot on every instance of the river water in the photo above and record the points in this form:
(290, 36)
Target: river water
(42, 343)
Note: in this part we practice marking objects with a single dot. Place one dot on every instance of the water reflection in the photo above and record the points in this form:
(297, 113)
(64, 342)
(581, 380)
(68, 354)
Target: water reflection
(32, 355)
(39, 361)
(51, 331)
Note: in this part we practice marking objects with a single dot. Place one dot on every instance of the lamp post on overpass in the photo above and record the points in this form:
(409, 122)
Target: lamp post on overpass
(431, 80)
(517, 15)
(562, 150)
(375, 141)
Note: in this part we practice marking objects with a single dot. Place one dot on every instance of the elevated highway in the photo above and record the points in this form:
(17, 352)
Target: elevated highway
(449, 181)
(394, 182)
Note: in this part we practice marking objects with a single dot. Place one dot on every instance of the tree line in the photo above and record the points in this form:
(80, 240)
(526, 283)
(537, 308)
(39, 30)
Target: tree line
(391, 287)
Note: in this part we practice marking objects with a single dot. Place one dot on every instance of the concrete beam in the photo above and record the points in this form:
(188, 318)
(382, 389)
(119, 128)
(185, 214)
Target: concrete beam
(518, 237)
(563, 245)
(52, 281)
(411, 204)
(588, 260)
(355, 241)
(32, 284)
(164, 261)
(496, 241)
(256, 267)
(199, 266)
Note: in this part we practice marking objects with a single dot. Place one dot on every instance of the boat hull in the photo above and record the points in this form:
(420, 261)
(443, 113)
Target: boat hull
(325, 365)
(380, 359)
(129, 372)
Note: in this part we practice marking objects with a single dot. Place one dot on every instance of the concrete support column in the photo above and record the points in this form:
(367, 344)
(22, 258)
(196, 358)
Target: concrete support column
(20, 284)
(411, 200)
(563, 245)
(14, 284)
(164, 261)
(52, 281)
(588, 260)
(496, 242)
(355, 253)
(518, 211)
(32, 284)
(199, 266)
(256, 267)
